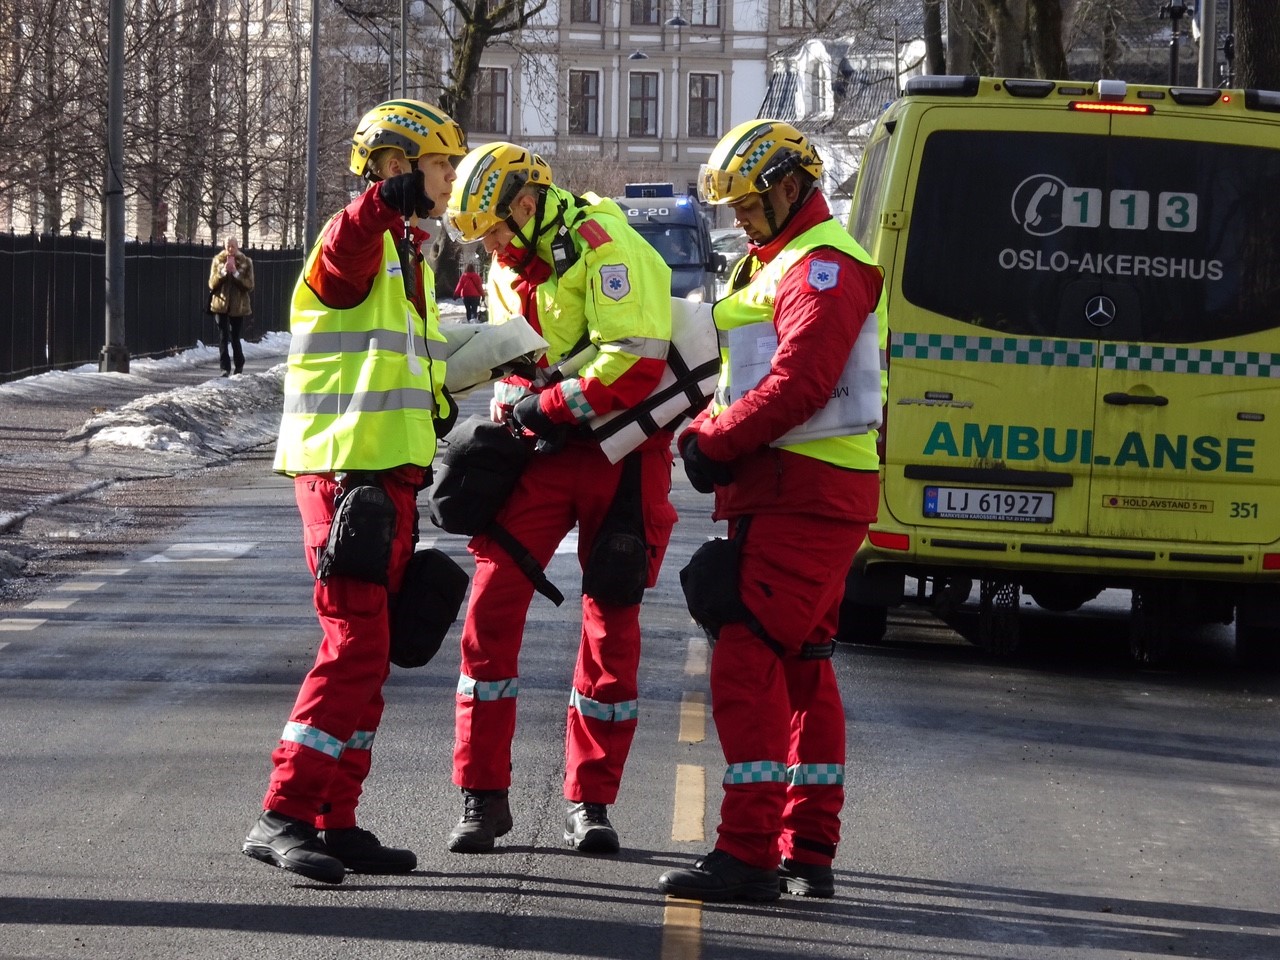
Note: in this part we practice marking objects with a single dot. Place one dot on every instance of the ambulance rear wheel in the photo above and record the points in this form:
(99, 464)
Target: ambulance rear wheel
(1151, 624)
(862, 622)
(1258, 633)
(998, 630)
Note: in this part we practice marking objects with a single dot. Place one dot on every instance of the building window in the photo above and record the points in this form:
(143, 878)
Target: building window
(644, 12)
(799, 13)
(584, 102)
(584, 11)
(489, 114)
(818, 89)
(643, 114)
(704, 13)
(704, 105)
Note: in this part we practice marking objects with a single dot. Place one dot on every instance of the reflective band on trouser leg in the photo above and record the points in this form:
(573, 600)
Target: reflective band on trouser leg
(809, 774)
(627, 710)
(313, 738)
(488, 689)
(757, 771)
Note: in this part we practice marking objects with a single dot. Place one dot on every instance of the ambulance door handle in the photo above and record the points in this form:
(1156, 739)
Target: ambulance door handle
(1124, 399)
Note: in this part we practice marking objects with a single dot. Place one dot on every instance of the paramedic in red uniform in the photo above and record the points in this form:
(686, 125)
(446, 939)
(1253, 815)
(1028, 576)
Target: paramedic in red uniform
(362, 393)
(799, 511)
(583, 278)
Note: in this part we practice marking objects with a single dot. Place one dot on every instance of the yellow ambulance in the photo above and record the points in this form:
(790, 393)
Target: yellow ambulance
(1083, 294)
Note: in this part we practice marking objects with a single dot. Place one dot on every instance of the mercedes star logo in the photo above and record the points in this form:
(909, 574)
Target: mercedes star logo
(1100, 311)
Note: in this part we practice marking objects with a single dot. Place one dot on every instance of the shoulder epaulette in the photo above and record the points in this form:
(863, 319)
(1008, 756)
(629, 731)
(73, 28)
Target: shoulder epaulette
(592, 232)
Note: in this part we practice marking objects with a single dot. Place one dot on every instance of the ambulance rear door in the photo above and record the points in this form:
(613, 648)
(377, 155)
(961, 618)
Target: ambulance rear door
(1182, 285)
(992, 367)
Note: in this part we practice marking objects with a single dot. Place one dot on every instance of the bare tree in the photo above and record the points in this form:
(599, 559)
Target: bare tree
(1257, 30)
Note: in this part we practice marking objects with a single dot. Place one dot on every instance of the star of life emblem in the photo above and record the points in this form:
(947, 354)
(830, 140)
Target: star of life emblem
(614, 281)
(823, 274)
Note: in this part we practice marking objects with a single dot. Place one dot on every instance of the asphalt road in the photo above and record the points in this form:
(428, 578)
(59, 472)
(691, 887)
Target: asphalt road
(1061, 804)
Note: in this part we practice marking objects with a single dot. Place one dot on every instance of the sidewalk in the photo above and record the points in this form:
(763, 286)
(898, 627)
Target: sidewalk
(73, 442)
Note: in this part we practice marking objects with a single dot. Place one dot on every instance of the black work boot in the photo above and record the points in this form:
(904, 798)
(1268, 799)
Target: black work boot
(486, 815)
(721, 876)
(360, 852)
(806, 879)
(292, 845)
(588, 830)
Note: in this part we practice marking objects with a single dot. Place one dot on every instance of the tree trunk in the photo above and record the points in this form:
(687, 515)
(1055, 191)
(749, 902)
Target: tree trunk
(1257, 30)
(935, 56)
(1044, 29)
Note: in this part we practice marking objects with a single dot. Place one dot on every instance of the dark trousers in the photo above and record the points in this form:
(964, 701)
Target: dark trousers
(229, 342)
(473, 308)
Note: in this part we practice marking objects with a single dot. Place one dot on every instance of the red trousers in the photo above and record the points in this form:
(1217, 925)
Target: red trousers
(324, 752)
(780, 719)
(556, 491)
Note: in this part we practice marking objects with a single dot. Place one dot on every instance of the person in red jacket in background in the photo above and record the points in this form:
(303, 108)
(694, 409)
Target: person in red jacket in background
(798, 507)
(470, 288)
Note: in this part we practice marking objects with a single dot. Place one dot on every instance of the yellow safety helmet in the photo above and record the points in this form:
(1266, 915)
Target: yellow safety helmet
(489, 178)
(415, 127)
(754, 156)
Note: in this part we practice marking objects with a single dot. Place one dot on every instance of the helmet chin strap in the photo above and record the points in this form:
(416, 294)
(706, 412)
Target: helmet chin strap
(539, 228)
(776, 228)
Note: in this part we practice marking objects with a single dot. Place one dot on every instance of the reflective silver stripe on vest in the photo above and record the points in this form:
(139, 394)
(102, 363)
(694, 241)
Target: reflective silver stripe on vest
(361, 740)
(756, 771)
(314, 738)
(651, 348)
(356, 341)
(322, 404)
(488, 689)
(596, 710)
(809, 774)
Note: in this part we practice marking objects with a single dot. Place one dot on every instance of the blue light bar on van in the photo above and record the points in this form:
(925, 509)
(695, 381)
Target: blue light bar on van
(1092, 106)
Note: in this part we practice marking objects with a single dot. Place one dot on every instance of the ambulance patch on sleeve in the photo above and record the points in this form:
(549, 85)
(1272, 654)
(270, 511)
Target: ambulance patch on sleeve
(823, 274)
(614, 282)
(593, 233)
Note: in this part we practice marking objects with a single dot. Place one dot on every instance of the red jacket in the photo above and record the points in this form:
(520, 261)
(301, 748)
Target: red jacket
(351, 251)
(469, 285)
(814, 340)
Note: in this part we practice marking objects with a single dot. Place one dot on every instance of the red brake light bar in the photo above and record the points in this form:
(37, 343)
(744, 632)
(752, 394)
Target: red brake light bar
(1091, 106)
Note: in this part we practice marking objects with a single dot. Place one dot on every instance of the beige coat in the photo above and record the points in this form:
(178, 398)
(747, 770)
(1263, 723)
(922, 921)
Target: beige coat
(231, 291)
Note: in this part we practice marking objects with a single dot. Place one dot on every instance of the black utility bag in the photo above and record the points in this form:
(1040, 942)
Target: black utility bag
(426, 607)
(478, 473)
(617, 569)
(360, 534)
(710, 581)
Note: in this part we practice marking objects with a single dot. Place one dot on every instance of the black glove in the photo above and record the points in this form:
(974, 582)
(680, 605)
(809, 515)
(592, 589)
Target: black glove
(444, 423)
(406, 194)
(704, 473)
(528, 415)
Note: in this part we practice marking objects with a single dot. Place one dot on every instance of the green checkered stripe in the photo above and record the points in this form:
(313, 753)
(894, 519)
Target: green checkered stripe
(757, 153)
(811, 774)
(1233, 363)
(576, 402)
(474, 689)
(488, 188)
(756, 771)
(361, 740)
(313, 738)
(408, 123)
(596, 710)
(1021, 351)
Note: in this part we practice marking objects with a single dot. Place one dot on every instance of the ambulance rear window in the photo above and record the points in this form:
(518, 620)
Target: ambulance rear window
(1114, 238)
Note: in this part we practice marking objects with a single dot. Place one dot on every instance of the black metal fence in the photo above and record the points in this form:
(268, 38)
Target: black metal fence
(53, 299)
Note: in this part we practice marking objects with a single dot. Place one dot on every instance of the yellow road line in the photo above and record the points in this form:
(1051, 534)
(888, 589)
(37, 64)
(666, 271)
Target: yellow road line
(681, 930)
(693, 717)
(691, 801)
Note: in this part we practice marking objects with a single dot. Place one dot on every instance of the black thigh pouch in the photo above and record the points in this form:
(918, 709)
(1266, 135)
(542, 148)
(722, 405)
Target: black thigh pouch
(360, 536)
(710, 581)
(617, 569)
(426, 607)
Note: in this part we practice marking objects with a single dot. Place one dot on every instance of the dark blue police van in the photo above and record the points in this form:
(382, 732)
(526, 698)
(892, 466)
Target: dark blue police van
(680, 231)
